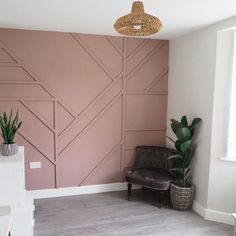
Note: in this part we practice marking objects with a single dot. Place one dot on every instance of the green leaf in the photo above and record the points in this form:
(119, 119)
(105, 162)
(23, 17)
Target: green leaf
(10, 116)
(175, 125)
(5, 118)
(177, 156)
(4, 136)
(12, 138)
(195, 122)
(183, 134)
(178, 170)
(177, 145)
(19, 125)
(15, 120)
(188, 156)
(185, 146)
(9, 127)
(10, 135)
(1, 122)
(184, 121)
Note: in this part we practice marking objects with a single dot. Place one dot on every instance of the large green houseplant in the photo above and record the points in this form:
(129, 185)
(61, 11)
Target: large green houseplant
(182, 189)
(8, 127)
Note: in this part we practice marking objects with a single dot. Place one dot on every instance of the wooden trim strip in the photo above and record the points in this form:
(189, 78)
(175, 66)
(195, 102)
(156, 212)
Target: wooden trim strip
(100, 163)
(91, 54)
(157, 79)
(146, 59)
(114, 45)
(90, 123)
(39, 117)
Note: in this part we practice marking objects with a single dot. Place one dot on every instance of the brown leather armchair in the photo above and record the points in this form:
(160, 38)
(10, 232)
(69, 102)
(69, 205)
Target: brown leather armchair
(151, 169)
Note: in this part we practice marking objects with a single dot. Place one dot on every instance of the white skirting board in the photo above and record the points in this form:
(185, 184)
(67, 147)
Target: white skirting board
(209, 214)
(72, 191)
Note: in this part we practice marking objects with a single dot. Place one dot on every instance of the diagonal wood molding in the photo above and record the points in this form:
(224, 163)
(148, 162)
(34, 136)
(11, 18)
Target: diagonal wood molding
(76, 145)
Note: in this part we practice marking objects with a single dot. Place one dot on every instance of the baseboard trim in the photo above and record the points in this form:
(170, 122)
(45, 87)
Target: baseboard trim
(72, 191)
(219, 216)
(212, 215)
(199, 209)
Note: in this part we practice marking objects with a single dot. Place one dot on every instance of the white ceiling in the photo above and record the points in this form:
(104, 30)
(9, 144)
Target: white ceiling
(98, 16)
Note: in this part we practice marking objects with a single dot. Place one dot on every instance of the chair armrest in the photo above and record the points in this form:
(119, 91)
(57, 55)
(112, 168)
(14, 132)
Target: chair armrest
(127, 170)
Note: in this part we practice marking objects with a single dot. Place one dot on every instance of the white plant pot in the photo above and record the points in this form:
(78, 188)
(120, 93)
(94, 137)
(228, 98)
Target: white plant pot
(9, 149)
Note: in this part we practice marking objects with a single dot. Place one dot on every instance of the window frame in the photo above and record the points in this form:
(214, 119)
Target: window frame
(229, 102)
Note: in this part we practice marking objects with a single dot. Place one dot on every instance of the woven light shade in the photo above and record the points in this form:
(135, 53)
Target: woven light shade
(137, 23)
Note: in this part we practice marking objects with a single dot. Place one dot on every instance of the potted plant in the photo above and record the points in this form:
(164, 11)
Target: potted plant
(8, 127)
(182, 189)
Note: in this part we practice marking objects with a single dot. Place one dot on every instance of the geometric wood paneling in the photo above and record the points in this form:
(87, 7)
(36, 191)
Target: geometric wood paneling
(91, 147)
(147, 68)
(145, 111)
(42, 109)
(14, 73)
(5, 57)
(15, 90)
(85, 101)
(144, 137)
(104, 51)
(110, 168)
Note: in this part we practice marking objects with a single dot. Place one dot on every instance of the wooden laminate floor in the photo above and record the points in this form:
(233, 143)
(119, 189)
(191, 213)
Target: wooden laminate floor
(108, 214)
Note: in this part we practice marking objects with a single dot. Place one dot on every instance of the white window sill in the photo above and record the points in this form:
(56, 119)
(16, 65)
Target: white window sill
(230, 159)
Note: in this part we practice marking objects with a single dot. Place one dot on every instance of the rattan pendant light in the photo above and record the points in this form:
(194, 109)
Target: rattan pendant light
(137, 23)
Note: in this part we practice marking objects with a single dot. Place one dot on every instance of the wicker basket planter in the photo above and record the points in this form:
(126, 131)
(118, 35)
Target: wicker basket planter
(181, 198)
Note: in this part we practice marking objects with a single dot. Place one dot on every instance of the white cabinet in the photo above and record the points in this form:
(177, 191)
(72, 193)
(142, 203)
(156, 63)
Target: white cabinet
(13, 194)
(5, 220)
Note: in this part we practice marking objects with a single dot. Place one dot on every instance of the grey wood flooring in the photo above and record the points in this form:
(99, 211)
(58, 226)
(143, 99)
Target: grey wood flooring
(108, 214)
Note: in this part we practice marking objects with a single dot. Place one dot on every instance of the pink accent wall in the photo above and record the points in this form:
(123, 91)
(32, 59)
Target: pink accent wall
(86, 101)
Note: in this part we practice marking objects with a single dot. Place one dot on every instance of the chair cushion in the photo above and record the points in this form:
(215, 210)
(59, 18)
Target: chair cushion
(150, 177)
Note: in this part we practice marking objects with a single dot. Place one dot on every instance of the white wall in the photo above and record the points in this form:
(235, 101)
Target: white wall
(222, 179)
(193, 91)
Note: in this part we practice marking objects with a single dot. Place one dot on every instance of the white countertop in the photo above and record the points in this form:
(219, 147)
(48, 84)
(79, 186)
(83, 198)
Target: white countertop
(13, 159)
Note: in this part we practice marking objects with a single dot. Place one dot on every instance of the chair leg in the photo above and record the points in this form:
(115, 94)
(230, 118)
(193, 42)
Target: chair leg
(161, 198)
(129, 190)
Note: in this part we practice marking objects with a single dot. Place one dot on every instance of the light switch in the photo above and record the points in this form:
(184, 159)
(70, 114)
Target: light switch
(35, 165)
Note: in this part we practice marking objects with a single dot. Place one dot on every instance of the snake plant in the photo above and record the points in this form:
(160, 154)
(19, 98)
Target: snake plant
(9, 126)
(185, 149)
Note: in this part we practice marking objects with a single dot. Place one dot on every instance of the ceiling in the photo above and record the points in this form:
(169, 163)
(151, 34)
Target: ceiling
(98, 16)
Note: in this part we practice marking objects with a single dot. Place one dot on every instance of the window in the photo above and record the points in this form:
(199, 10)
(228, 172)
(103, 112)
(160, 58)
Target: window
(231, 149)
